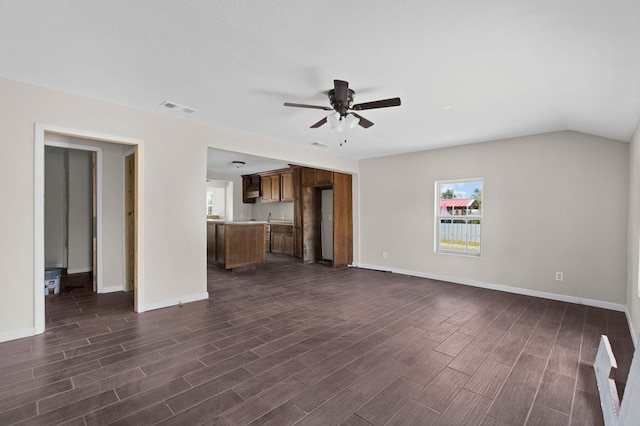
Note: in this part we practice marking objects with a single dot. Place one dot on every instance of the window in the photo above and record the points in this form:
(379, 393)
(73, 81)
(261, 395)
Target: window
(459, 216)
(209, 203)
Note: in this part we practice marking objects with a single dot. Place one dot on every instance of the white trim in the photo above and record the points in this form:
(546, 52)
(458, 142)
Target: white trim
(508, 289)
(18, 334)
(38, 232)
(39, 144)
(177, 301)
(112, 289)
(634, 335)
(81, 271)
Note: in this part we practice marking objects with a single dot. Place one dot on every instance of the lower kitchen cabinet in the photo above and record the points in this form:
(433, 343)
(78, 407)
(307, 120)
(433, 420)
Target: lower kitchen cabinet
(282, 239)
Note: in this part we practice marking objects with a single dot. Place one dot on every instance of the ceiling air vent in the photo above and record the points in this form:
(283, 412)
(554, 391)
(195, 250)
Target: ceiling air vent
(173, 105)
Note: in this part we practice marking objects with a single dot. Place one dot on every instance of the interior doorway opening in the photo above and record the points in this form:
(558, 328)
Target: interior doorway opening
(107, 227)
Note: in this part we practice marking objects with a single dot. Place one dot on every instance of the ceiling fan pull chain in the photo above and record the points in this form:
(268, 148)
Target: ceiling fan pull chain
(344, 129)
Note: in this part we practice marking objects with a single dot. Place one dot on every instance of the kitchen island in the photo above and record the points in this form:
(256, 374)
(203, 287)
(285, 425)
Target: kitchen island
(235, 244)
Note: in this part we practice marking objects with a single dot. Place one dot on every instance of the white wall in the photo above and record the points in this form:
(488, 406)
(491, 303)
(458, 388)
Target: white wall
(552, 202)
(174, 161)
(633, 249)
(260, 210)
(241, 211)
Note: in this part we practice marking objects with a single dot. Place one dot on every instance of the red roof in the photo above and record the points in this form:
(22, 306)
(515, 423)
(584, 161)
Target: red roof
(456, 202)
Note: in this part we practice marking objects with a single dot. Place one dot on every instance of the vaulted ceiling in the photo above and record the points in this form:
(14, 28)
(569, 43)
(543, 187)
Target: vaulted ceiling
(466, 70)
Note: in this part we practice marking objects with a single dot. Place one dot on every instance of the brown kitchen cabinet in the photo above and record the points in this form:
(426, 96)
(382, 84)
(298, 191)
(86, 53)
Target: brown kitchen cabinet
(316, 177)
(282, 239)
(286, 186)
(270, 185)
(239, 245)
(211, 242)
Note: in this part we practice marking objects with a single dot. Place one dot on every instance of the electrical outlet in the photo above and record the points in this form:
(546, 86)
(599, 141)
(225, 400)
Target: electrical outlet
(559, 276)
(384, 254)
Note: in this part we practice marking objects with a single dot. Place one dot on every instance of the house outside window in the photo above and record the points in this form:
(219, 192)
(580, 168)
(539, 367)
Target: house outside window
(459, 216)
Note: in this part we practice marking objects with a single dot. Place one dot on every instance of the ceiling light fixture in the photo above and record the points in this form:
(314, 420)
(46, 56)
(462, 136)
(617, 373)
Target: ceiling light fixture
(238, 164)
(335, 121)
(352, 121)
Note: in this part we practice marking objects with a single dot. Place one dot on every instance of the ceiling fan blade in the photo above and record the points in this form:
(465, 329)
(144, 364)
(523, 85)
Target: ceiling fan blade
(363, 121)
(319, 123)
(341, 91)
(291, 104)
(384, 103)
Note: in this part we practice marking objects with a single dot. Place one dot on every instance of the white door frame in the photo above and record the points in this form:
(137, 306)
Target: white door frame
(40, 141)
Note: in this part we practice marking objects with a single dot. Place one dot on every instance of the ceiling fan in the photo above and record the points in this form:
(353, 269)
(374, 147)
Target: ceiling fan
(341, 100)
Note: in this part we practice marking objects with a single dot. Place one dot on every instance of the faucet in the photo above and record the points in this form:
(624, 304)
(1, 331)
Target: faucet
(269, 218)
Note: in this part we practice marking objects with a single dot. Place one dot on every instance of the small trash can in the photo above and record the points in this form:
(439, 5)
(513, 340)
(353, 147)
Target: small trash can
(52, 281)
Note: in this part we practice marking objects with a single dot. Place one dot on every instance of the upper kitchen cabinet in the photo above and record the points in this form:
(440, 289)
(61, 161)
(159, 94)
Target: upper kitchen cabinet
(270, 188)
(277, 186)
(286, 186)
(316, 177)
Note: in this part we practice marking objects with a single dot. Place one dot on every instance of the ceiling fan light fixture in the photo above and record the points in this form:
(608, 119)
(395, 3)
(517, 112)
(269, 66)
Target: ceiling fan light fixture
(352, 121)
(335, 121)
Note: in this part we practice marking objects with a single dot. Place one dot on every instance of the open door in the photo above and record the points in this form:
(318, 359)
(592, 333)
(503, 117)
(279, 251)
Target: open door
(130, 220)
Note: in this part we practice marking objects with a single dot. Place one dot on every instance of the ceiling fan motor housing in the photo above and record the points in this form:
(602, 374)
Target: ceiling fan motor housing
(341, 107)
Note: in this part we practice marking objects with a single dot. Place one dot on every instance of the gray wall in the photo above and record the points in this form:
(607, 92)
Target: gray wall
(80, 212)
(55, 199)
(552, 202)
(68, 209)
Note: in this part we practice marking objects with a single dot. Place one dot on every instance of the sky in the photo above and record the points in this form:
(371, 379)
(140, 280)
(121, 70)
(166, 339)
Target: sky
(462, 189)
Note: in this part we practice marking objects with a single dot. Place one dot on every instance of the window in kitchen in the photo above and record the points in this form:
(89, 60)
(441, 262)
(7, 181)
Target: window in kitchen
(210, 199)
(459, 216)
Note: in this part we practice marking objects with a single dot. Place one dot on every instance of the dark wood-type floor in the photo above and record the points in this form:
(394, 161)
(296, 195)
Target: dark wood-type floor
(306, 345)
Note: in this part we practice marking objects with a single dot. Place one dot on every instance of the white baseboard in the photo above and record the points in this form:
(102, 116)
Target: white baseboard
(173, 302)
(112, 289)
(516, 290)
(17, 334)
(79, 270)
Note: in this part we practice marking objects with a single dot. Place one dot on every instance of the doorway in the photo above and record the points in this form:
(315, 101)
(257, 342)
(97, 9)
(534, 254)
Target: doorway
(106, 279)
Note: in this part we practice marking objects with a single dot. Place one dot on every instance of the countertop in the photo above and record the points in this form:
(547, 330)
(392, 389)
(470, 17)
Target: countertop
(252, 222)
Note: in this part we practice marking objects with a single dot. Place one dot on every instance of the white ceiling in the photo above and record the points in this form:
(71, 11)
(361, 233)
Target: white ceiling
(504, 67)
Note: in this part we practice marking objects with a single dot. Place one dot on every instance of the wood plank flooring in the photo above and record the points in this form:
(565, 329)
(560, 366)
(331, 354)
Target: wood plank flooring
(288, 343)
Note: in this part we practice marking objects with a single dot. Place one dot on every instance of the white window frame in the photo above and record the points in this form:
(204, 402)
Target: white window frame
(470, 236)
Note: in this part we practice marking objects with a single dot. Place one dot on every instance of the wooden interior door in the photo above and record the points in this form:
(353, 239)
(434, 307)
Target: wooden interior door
(130, 220)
